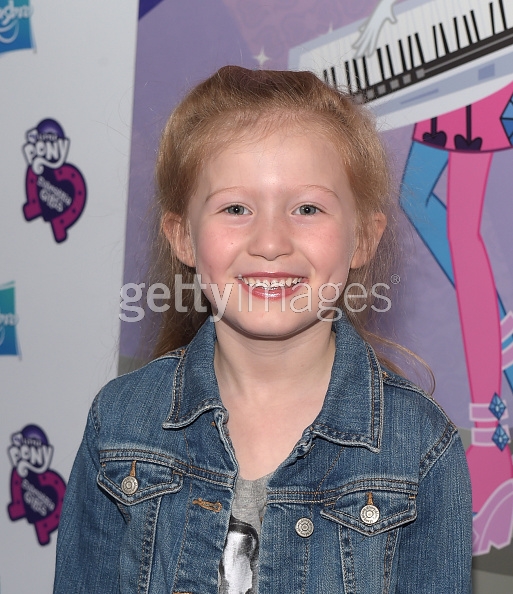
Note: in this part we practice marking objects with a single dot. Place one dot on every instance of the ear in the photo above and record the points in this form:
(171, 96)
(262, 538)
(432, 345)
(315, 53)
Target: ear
(366, 246)
(179, 238)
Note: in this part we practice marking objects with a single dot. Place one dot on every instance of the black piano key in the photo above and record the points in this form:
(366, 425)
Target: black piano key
(357, 76)
(325, 74)
(390, 65)
(503, 14)
(436, 42)
(348, 76)
(457, 32)
(410, 48)
(334, 76)
(444, 39)
(467, 29)
(492, 18)
(474, 22)
(381, 66)
(403, 59)
(419, 47)
(365, 72)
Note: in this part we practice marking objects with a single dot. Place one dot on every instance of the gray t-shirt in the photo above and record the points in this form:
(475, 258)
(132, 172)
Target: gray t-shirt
(238, 571)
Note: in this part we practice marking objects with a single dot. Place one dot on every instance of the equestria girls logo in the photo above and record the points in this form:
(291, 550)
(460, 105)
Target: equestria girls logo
(37, 492)
(55, 189)
(15, 31)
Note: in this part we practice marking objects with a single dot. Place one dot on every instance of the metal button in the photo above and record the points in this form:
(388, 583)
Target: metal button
(369, 513)
(304, 527)
(129, 485)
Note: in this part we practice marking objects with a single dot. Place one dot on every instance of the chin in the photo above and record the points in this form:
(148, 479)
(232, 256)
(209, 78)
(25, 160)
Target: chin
(269, 326)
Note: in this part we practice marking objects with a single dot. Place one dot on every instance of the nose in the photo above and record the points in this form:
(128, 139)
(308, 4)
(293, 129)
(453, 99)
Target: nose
(270, 237)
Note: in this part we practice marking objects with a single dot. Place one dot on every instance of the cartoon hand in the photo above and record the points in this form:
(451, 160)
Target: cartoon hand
(369, 32)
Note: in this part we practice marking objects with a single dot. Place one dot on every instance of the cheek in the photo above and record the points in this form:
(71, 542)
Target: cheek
(214, 251)
(335, 253)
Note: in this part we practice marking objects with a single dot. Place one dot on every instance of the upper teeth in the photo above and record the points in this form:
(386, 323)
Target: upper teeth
(269, 284)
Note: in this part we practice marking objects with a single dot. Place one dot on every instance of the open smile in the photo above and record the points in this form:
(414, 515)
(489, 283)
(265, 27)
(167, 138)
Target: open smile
(270, 283)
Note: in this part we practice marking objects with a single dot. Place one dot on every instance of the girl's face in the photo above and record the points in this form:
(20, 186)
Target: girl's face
(272, 232)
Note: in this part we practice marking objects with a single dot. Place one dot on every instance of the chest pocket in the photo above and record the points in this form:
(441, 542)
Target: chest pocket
(134, 481)
(373, 511)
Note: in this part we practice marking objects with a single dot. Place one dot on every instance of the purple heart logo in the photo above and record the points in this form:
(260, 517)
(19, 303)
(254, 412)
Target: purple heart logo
(57, 195)
(38, 498)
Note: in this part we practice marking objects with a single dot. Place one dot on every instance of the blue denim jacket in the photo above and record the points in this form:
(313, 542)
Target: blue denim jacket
(165, 426)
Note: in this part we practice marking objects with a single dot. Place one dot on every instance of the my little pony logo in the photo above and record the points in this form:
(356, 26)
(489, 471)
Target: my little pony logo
(8, 321)
(15, 31)
(55, 189)
(37, 493)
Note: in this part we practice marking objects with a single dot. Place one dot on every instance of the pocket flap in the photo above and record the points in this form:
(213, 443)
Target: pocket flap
(373, 511)
(151, 479)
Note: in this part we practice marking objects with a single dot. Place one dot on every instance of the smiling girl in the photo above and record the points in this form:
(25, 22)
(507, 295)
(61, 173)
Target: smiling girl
(276, 451)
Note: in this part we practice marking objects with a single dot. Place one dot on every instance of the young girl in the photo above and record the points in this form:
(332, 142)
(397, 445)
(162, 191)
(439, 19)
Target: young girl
(275, 452)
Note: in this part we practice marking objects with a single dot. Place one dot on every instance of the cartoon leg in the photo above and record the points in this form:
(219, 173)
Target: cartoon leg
(428, 215)
(489, 457)
(426, 212)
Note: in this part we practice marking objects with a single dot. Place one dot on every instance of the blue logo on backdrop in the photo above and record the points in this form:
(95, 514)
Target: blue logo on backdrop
(15, 31)
(8, 321)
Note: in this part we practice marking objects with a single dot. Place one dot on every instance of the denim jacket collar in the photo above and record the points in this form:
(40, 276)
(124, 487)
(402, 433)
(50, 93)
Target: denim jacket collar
(352, 412)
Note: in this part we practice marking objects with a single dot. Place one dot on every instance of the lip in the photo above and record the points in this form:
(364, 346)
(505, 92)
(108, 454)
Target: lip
(274, 292)
(270, 275)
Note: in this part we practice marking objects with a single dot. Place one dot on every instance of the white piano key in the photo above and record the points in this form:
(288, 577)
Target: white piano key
(508, 9)
(373, 69)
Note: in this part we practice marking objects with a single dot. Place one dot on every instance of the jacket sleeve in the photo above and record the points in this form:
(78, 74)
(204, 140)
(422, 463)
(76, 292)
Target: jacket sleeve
(435, 551)
(90, 529)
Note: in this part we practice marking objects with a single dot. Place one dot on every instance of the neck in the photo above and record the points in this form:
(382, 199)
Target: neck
(266, 371)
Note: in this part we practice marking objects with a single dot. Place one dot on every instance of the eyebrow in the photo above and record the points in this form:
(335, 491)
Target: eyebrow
(322, 188)
(229, 189)
(293, 189)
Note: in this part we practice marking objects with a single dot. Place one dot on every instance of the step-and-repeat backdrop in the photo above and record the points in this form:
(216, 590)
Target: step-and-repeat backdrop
(66, 110)
(438, 74)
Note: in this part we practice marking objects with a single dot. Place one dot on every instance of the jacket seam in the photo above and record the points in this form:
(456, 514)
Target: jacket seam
(178, 386)
(434, 454)
(147, 546)
(337, 458)
(390, 547)
(173, 462)
(185, 528)
(351, 484)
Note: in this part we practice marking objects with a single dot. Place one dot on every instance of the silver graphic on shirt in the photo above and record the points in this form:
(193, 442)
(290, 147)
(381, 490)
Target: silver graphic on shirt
(238, 567)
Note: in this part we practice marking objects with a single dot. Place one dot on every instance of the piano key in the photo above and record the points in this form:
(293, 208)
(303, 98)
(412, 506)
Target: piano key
(435, 42)
(365, 72)
(492, 17)
(474, 23)
(403, 55)
(445, 43)
(470, 39)
(457, 32)
(508, 13)
(411, 59)
(419, 48)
